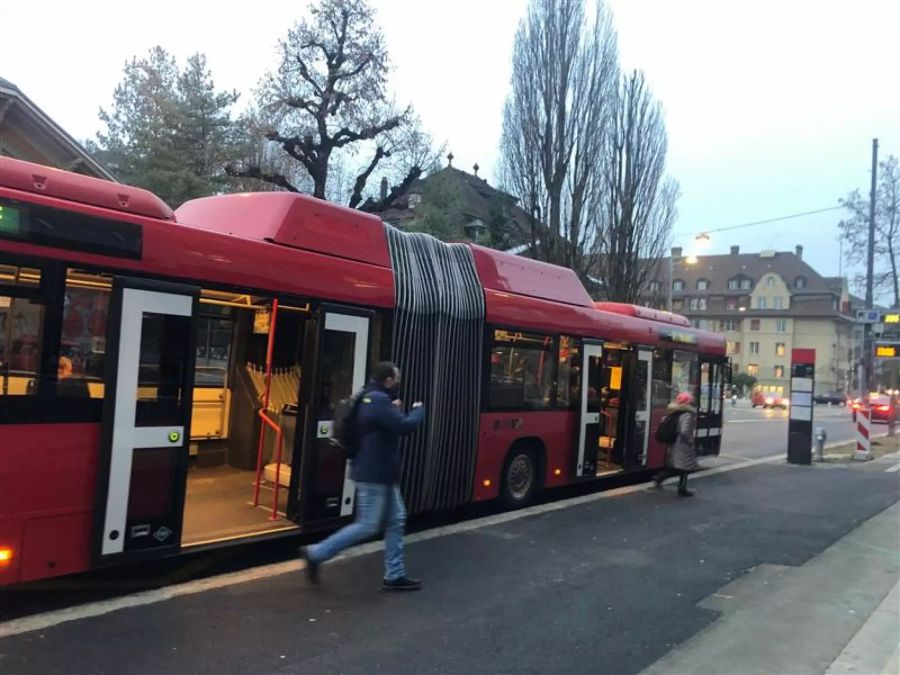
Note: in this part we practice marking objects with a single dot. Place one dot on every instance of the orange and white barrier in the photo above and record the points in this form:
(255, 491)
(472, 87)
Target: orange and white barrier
(863, 429)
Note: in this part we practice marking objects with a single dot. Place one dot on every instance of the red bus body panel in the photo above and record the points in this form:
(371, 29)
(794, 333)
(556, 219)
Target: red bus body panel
(47, 503)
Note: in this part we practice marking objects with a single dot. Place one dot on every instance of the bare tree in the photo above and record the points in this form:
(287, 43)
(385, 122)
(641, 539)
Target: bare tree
(328, 95)
(639, 203)
(565, 71)
(855, 230)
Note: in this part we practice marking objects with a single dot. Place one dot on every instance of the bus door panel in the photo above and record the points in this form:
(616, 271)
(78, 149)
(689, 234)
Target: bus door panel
(341, 363)
(146, 425)
(590, 422)
(709, 406)
(639, 437)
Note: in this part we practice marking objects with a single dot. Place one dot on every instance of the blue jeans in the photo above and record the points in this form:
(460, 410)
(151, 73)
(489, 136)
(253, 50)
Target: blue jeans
(378, 506)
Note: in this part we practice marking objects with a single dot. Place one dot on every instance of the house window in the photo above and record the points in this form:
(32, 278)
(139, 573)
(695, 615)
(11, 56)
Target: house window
(779, 303)
(734, 284)
(779, 372)
(754, 324)
(678, 285)
(779, 349)
(731, 305)
(770, 282)
(754, 348)
(728, 325)
(753, 369)
(800, 282)
(734, 347)
(761, 303)
(746, 284)
(678, 304)
(698, 304)
(781, 325)
(702, 285)
(654, 286)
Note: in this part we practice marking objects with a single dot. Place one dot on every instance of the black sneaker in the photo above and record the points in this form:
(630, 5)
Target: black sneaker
(402, 584)
(684, 492)
(658, 480)
(312, 568)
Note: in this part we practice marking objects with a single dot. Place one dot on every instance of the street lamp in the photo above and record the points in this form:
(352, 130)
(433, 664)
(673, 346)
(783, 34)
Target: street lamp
(702, 240)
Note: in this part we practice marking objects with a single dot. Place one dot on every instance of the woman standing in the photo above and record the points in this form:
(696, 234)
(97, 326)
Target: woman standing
(681, 458)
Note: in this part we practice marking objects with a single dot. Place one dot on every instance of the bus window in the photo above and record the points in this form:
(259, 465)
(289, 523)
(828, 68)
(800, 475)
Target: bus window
(83, 345)
(568, 385)
(21, 330)
(684, 373)
(213, 351)
(659, 389)
(522, 371)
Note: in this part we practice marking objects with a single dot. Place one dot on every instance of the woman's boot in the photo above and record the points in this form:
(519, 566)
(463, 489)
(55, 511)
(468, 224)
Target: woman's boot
(682, 486)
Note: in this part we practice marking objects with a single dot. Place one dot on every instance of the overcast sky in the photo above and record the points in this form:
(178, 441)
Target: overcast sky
(771, 106)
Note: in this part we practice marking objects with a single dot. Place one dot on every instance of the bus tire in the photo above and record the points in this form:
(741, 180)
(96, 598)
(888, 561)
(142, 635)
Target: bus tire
(521, 477)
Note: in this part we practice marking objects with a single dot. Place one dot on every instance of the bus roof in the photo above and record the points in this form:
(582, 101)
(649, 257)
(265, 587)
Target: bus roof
(293, 220)
(259, 240)
(643, 313)
(73, 187)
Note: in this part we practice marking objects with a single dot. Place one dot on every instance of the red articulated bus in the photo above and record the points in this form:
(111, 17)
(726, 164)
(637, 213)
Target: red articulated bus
(168, 380)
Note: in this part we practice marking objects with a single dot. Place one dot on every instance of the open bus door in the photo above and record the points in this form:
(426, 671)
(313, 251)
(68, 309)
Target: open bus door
(341, 365)
(589, 420)
(143, 461)
(714, 376)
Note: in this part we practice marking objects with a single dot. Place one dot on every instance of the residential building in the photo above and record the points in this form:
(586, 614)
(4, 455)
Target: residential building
(28, 133)
(767, 304)
(455, 205)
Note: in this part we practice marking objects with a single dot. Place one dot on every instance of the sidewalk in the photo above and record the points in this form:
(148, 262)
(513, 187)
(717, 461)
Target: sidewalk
(837, 613)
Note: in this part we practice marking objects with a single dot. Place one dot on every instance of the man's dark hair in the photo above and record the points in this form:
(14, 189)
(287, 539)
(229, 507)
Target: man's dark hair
(383, 371)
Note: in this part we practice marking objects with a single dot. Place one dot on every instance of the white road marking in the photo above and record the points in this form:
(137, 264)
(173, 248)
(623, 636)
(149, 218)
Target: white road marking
(894, 468)
(94, 609)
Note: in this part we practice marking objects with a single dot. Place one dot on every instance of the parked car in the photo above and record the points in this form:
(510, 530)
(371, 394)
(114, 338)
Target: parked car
(880, 406)
(831, 398)
(768, 400)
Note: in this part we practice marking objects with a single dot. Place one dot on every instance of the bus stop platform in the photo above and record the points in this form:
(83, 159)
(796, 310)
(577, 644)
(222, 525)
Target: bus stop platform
(769, 568)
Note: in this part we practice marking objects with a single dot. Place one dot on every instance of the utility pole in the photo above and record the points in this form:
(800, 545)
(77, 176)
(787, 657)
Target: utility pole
(870, 264)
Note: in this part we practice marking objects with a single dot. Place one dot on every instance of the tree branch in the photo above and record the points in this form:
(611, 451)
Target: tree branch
(373, 206)
(257, 173)
(363, 178)
(345, 135)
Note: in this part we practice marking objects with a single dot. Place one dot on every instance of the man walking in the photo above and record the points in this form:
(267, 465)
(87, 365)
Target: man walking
(379, 424)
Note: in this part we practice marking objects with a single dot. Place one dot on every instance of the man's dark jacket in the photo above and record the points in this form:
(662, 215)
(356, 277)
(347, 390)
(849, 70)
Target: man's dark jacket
(379, 426)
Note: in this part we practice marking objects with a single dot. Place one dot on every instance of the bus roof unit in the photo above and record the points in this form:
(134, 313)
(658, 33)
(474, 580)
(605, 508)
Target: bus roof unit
(643, 313)
(293, 220)
(49, 182)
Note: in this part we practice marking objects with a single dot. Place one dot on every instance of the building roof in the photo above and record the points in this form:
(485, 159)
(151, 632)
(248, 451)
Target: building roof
(720, 269)
(473, 198)
(28, 133)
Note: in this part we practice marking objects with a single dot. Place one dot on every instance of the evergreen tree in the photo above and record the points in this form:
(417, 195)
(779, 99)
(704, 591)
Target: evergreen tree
(168, 131)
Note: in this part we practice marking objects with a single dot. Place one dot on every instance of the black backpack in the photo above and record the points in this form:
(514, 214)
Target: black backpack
(344, 432)
(668, 428)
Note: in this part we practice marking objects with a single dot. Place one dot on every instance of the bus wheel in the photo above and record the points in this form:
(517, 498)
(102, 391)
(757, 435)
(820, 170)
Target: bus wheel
(519, 478)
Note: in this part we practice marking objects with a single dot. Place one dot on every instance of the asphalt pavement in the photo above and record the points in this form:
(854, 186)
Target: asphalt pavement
(757, 432)
(603, 583)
